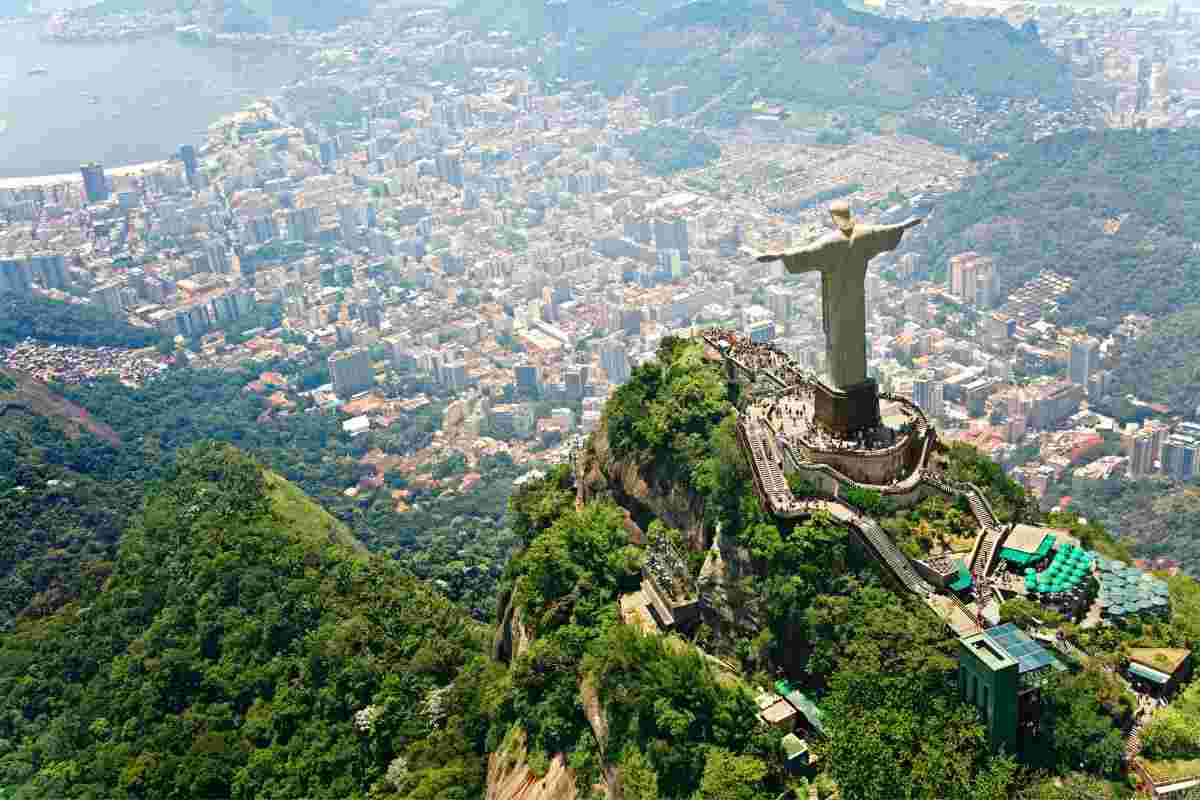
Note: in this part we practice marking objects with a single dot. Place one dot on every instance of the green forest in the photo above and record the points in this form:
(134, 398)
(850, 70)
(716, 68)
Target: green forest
(457, 539)
(663, 151)
(57, 322)
(200, 612)
(1164, 365)
(1045, 207)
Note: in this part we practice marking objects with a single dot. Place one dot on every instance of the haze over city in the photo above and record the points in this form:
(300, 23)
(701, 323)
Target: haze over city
(722, 400)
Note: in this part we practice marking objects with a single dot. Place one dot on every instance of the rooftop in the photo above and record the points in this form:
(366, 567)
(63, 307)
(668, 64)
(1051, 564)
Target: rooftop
(1029, 655)
(1163, 659)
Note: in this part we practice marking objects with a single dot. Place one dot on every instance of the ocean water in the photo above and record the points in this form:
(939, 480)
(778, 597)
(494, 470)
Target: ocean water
(152, 95)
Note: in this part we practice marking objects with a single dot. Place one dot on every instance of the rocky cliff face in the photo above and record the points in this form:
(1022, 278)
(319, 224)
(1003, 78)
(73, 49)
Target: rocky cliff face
(635, 488)
(512, 635)
(510, 778)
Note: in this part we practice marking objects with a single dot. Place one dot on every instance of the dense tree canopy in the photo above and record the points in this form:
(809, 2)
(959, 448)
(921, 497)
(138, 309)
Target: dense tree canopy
(57, 322)
(228, 655)
(1116, 210)
(1164, 366)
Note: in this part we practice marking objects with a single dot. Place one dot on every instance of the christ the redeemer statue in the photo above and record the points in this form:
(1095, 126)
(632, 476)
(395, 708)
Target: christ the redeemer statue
(841, 258)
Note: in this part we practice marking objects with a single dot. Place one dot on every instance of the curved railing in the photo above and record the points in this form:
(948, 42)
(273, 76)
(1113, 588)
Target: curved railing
(777, 498)
(771, 485)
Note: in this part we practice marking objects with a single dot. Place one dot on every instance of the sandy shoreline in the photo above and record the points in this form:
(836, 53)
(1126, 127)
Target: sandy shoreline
(75, 177)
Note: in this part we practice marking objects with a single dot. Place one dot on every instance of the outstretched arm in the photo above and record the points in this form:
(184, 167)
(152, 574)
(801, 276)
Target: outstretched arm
(882, 238)
(802, 259)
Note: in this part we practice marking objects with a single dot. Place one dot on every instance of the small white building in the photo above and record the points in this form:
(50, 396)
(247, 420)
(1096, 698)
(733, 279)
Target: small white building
(357, 425)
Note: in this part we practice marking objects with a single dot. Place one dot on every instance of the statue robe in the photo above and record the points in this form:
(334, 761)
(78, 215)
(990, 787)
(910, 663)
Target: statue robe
(842, 262)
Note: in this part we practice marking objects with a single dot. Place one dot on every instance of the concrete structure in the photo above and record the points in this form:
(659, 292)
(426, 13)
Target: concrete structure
(850, 402)
(987, 679)
(971, 278)
(95, 187)
(351, 371)
(1082, 360)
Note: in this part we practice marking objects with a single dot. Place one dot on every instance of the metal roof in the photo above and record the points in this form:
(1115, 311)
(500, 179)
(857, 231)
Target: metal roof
(1149, 674)
(1029, 655)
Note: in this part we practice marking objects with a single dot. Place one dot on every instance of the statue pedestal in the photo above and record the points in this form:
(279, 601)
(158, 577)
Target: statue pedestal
(846, 411)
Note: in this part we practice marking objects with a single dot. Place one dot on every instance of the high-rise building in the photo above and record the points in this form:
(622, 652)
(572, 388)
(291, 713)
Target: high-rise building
(928, 393)
(614, 359)
(1141, 457)
(448, 166)
(187, 154)
(15, 276)
(95, 187)
(1082, 360)
(303, 223)
(1143, 82)
(971, 278)
(1179, 456)
(1159, 87)
(779, 300)
(216, 258)
(454, 374)
(672, 234)
(351, 371)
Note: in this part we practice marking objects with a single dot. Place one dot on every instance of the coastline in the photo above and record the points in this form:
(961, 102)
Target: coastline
(126, 171)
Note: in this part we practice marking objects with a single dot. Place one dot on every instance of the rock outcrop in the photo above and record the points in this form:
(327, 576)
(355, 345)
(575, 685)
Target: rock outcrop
(510, 778)
(512, 637)
(635, 488)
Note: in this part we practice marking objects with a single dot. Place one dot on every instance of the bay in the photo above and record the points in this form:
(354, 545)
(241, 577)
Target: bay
(152, 95)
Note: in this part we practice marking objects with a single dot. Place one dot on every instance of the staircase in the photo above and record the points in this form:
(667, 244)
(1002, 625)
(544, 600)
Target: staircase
(991, 533)
(1133, 741)
(780, 501)
(980, 508)
(891, 556)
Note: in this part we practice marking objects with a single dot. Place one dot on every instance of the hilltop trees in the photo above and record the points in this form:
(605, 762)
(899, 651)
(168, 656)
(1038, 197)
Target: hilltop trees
(229, 653)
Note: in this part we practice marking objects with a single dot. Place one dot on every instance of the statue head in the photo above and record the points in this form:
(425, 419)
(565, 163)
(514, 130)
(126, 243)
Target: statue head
(840, 211)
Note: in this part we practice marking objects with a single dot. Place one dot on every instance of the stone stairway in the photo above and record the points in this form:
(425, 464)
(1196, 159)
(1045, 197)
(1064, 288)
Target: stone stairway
(782, 502)
(991, 532)
(892, 557)
(1133, 741)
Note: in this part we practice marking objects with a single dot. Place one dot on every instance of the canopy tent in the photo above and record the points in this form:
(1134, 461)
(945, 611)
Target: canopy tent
(963, 579)
(1023, 558)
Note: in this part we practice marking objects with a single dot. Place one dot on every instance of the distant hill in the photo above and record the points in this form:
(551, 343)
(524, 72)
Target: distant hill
(800, 51)
(1117, 210)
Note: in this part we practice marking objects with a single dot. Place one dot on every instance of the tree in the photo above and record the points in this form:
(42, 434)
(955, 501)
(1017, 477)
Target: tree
(1171, 734)
(639, 781)
(732, 777)
(1075, 731)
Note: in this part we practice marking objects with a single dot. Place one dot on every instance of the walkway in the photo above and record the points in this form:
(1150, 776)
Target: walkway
(767, 447)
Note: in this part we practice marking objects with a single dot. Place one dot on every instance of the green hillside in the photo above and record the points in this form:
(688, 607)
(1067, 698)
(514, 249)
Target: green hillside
(1047, 205)
(228, 653)
(57, 322)
(238, 643)
(1164, 365)
(811, 52)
